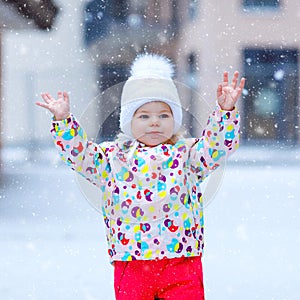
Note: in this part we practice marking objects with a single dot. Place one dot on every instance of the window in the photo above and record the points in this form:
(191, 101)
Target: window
(192, 70)
(193, 9)
(271, 97)
(261, 3)
(190, 122)
(111, 80)
(100, 14)
(94, 21)
(118, 9)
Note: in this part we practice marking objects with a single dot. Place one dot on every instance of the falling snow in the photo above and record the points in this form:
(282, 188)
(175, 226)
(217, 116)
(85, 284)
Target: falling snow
(52, 242)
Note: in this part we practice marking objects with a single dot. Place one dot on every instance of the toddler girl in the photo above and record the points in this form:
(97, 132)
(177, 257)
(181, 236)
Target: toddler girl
(149, 179)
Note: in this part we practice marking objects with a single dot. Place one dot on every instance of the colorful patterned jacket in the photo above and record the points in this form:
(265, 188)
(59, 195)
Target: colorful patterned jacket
(151, 197)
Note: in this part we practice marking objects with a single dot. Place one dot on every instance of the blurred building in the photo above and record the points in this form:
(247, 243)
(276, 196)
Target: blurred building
(24, 15)
(39, 59)
(260, 38)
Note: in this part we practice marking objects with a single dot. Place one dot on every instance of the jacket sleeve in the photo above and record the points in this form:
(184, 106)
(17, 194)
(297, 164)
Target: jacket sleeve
(219, 139)
(83, 156)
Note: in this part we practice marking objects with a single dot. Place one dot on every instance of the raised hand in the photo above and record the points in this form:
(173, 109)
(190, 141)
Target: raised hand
(228, 94)
(59, 107)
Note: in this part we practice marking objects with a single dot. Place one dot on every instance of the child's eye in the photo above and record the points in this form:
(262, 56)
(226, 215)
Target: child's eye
(143, 116)
(164, 116)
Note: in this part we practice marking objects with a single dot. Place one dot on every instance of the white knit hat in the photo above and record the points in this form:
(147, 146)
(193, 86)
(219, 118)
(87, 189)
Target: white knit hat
(150, 80)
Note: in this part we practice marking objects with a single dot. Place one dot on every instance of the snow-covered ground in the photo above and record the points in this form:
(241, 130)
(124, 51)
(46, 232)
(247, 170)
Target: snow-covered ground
(52, 242)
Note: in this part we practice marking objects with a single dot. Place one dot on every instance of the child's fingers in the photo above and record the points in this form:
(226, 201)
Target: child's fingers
(50, 97)
(46, 97)
(225, 78)
(219, 90)
(235, 79)
(66, 97)
(240, 88)
(59, 95)
(42, 104)
(238, 94)
(242, 83)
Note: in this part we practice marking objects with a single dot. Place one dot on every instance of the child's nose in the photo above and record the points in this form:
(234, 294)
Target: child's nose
(155, 121)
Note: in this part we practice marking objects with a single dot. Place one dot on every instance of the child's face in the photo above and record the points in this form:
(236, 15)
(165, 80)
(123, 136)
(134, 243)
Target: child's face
(153, 123)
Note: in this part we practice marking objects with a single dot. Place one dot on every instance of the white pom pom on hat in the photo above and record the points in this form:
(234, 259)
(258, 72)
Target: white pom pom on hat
(152, 65)
(150, 80)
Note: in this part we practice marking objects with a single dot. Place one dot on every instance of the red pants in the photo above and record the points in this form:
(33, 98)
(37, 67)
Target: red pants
(173, 279)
